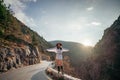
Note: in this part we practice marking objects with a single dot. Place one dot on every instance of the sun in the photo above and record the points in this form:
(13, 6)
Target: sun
(87, 42)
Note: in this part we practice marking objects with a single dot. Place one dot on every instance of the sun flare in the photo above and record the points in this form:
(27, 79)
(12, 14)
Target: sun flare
(87, 43)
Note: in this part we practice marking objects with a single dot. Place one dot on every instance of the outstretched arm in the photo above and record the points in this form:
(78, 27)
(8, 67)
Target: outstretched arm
(51, 50)
(65, 50)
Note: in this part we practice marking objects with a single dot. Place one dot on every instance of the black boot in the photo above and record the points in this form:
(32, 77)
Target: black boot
(62, 70)
(58, 69)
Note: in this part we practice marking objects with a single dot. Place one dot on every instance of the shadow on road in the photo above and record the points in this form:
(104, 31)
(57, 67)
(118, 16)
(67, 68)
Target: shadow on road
(39, 76)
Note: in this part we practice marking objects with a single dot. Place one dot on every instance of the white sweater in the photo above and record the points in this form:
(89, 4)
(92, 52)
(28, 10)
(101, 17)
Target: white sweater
(58, 52)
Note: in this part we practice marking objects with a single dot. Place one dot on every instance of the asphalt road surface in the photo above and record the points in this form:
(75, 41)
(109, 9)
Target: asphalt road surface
(33, 72)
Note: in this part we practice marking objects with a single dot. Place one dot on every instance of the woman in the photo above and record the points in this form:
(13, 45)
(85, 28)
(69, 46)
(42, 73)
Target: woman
(59, 57)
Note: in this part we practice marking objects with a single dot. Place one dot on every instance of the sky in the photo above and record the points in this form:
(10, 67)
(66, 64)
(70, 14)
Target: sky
(82, 21)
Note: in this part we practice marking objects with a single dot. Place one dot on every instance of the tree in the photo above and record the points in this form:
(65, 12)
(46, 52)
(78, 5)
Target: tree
(34, 40)
(5, 13)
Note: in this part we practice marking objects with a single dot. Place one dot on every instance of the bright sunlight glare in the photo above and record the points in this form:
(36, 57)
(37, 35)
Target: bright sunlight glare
(87, 43)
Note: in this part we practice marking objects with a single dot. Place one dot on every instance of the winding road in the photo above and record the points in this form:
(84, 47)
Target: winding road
(33, 72)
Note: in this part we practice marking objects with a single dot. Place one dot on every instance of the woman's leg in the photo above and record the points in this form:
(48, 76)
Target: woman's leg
(62, 69)
(58, 69)
(59, 64)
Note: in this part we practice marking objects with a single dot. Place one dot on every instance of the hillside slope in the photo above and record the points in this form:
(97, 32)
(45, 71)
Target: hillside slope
(19, 45)
(108, 49)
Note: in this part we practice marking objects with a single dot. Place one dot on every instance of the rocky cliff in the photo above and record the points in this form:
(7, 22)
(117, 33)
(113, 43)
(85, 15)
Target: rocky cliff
(108, 53)
(19, 45)
(104, 63)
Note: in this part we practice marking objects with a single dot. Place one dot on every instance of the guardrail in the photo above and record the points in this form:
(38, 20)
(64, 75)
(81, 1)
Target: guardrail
(53, 74)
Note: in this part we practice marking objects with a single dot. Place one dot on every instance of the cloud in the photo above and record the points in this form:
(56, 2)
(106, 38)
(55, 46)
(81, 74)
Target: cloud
(18, 6)
(35, 0)
(29, 0)
(90, 8)
(42, 10)
(96, 23)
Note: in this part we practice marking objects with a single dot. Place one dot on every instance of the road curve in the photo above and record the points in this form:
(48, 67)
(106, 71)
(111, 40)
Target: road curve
(33, 72)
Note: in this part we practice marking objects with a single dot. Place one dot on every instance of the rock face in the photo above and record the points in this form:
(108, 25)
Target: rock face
(17, 57)
(19, 45)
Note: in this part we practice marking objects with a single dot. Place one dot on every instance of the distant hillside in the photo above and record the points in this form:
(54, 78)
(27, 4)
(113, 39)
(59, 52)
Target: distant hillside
(19, 45)
(77, 52)
(104, 64)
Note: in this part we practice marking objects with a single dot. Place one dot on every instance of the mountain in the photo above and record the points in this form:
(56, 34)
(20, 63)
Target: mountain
(19, 45)
(108, 49)
(104, 64)
(77, 52)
